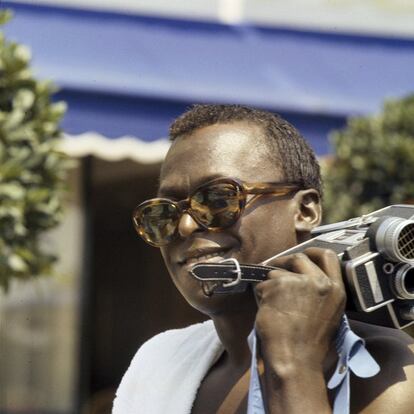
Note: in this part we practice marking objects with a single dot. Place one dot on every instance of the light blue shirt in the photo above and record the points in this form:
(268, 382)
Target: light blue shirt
(352, 356)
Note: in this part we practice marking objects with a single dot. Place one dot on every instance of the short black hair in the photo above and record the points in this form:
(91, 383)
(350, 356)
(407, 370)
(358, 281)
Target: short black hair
(285, 144)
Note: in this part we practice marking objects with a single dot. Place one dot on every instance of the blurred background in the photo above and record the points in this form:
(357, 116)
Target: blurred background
(126, 69)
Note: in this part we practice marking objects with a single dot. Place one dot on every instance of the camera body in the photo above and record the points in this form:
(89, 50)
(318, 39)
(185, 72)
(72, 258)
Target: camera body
(377, 259)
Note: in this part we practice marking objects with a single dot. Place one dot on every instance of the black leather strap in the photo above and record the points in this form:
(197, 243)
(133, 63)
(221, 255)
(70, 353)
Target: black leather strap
(226, 272)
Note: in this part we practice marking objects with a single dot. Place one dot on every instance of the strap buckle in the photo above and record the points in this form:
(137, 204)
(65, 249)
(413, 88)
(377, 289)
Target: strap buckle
(238, 272)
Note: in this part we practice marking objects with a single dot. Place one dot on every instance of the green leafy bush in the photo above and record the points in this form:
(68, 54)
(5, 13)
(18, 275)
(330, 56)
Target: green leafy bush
(373, 163)
(32, 171)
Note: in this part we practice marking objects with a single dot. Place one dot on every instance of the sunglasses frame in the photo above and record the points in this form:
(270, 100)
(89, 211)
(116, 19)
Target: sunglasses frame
(184, 206)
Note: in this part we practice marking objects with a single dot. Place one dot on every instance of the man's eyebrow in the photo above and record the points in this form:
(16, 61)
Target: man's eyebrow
(173, 190)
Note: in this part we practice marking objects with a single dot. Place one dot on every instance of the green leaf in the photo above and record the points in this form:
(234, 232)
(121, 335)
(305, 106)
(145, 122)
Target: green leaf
(13, 191)
(5, 16)
(17, 264)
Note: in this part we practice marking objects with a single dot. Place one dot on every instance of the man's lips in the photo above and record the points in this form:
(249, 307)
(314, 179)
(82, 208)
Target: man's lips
(204, 255)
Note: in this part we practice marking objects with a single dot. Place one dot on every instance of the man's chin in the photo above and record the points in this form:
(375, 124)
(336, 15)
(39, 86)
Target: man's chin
(224, 304)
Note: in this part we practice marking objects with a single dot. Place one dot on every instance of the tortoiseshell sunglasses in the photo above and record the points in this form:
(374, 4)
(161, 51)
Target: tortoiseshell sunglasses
(214, 205)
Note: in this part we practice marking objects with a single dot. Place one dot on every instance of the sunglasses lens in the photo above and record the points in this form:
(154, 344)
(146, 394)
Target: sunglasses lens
(217, 205)
(157, 222)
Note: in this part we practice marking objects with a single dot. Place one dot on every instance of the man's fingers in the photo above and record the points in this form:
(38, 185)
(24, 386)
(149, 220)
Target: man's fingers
(328, 261)
(279, 278)
(296, 263)
(313, 260)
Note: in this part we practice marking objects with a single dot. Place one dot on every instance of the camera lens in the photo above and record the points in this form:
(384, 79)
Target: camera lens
(404, 282)
(409, 281)
(406, 241)
(395, 239)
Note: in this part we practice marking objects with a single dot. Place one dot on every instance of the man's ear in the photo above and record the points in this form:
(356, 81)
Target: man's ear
(308, 212)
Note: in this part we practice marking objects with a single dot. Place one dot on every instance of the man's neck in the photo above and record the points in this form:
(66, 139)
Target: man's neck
(233, 328)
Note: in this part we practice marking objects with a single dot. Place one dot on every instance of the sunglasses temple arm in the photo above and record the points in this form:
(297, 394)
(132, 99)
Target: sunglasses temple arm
(255, 197)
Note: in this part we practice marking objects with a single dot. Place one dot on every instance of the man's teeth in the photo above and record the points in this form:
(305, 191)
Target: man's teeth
(203, 258)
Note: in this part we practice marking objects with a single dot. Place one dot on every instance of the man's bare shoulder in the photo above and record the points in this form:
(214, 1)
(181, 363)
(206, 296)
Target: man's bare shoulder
(391, 389)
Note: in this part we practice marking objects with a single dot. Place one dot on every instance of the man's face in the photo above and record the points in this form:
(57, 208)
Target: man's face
(265, 228)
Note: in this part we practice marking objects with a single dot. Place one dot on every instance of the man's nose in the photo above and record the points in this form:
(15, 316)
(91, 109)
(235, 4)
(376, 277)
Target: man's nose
(187, 225)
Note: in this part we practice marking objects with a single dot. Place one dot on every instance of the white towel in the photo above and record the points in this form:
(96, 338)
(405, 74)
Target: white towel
(167, 370)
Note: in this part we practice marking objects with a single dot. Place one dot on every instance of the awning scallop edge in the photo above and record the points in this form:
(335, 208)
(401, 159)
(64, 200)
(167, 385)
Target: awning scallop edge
(126, 147)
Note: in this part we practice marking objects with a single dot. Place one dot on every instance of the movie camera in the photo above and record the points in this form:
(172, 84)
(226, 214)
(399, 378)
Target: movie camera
(377, 259)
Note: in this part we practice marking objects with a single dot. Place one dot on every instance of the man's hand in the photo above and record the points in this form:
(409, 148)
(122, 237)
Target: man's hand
(300, 307)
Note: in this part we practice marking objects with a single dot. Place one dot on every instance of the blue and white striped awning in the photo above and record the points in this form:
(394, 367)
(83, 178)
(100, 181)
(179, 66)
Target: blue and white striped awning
(130, 76)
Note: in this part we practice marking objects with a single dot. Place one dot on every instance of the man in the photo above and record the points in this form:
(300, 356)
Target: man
(251, 189)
